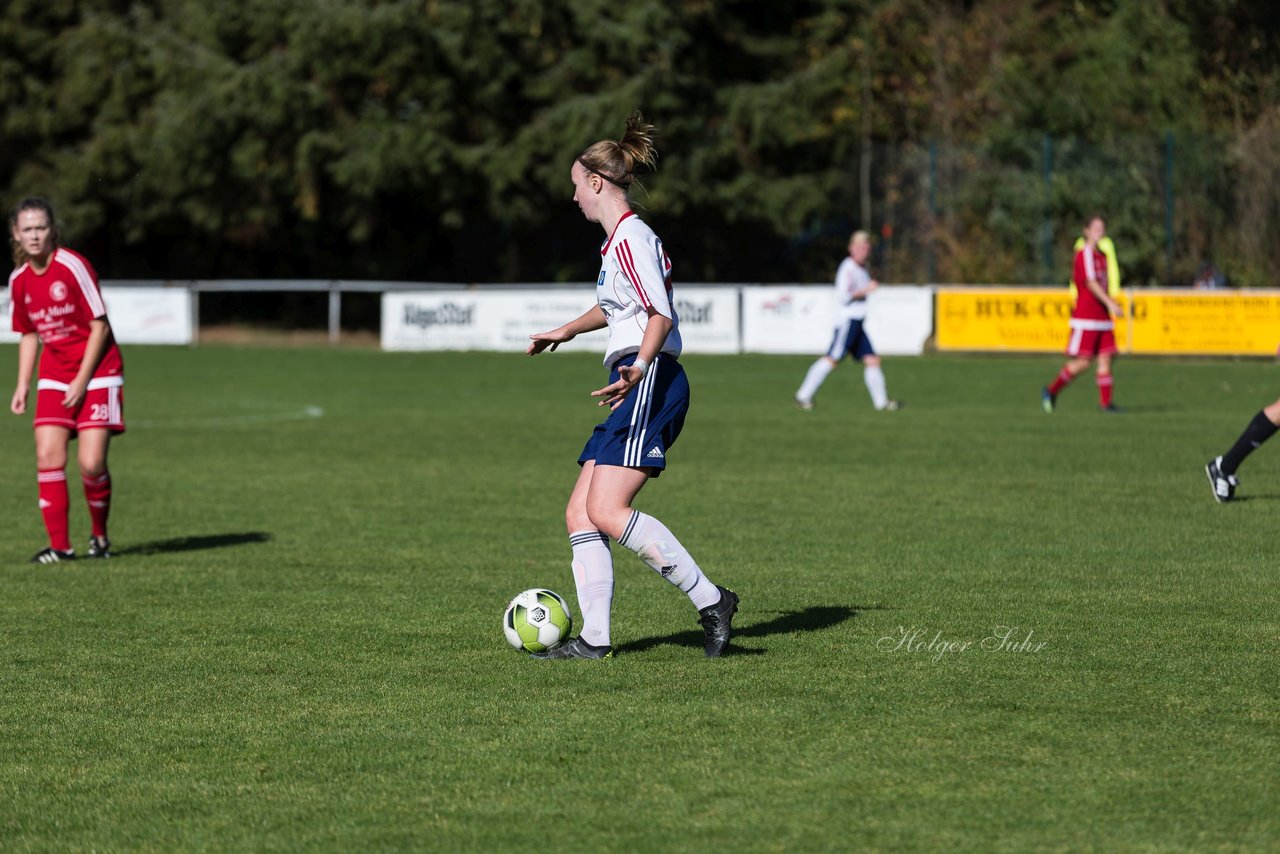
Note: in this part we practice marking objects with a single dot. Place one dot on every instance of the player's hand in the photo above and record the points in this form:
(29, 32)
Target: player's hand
(542, 340)
(74, 395)
(614, 393)
(18, 404)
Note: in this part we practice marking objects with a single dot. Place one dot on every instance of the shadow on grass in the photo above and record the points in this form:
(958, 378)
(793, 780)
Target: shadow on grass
(1145, 408)
(811, 619)
(191, 544)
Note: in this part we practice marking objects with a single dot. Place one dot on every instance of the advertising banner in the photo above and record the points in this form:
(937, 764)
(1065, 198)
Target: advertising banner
(900, 319)
(503, 319)
(7, 336)
(801, 318)
(1215, 323)
(482, 320)
(1159, 322)
(138, 315)
(786, 318)
(149, 315)
(709, 319)
(1016, 320)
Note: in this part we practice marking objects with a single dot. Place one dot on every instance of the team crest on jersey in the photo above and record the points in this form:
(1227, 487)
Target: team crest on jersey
(58, 291)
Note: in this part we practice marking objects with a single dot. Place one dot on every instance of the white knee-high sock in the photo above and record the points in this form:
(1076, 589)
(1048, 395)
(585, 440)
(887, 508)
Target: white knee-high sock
(664, 554)
(874, 378)
(593, 576)
(813, 380)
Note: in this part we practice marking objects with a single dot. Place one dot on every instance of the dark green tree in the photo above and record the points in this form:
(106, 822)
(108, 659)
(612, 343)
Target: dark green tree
(431, 139)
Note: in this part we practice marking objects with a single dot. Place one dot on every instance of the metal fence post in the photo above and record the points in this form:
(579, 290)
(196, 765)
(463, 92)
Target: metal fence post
(1046, 227)
(194, 288)
(335, 312)
(933, 210)
(1168, 206)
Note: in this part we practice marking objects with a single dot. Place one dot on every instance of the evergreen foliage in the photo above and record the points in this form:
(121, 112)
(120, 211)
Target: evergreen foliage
(432, 140)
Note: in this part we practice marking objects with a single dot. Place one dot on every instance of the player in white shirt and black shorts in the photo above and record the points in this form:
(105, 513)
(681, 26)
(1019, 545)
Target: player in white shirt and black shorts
(853, 285)
(648, 398)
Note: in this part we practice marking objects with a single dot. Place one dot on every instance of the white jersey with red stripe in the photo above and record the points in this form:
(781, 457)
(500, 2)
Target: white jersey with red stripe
(635, 275)
(58, 306)
(851, 277)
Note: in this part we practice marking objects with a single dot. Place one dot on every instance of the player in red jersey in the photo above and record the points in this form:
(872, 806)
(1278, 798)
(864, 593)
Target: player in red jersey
(1092, 328)
(58, 310)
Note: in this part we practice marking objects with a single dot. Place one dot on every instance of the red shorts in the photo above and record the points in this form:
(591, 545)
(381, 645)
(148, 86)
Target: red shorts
(1091, 342)
(102, 407)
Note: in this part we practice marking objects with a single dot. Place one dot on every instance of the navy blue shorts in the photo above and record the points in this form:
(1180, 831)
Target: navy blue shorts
(639, 433)
(850, 338)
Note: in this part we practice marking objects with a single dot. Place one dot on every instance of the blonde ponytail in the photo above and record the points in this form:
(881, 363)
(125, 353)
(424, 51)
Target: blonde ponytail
(616, 161)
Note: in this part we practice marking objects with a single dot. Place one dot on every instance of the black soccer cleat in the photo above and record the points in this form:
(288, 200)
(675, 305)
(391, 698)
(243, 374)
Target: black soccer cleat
(1110, 409)
(99, 547)
(576, 648)
(1223, 485)
(717, 622)
(51, 555)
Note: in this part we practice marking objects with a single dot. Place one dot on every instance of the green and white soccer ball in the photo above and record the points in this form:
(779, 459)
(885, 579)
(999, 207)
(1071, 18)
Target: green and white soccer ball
(537, 620)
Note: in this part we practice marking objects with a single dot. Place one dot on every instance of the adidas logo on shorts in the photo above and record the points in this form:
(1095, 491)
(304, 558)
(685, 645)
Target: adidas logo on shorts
(655, 453)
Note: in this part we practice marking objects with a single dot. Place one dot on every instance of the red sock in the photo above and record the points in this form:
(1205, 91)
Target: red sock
(1060, 382)
(97, 492)
(53, 506)
(1104, 389)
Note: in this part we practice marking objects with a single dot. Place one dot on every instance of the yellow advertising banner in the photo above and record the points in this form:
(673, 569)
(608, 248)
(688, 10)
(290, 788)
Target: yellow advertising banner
(1160, 322)
(1013, 320)
(1206, 323)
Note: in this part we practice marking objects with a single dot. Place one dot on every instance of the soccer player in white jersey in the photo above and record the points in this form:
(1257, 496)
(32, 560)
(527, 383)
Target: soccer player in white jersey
(648, 397)
(853, 285)
(58, 310)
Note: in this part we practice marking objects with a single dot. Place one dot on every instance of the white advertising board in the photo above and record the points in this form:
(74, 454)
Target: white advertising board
(708, 319)
(149, 315)
(138, 315)
(787, 318)
(483, 320)
(800, 318)
(900, 319)
(7, 335)
(503, 319)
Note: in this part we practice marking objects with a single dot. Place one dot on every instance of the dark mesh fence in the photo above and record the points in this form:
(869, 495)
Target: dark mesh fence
(1009, 211)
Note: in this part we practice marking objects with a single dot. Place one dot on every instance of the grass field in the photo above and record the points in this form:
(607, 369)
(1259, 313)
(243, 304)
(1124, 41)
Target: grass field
(297, 646)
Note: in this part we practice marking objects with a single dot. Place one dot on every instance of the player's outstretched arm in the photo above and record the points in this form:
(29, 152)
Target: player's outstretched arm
(589, 321)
